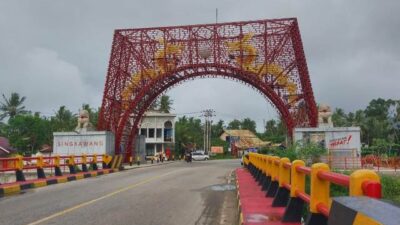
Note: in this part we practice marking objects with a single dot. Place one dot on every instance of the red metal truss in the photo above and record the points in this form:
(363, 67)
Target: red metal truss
(265, 54)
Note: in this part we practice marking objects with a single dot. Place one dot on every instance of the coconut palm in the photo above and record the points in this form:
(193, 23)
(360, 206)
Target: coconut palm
(63, 120)
(165, 104)
(12, 106)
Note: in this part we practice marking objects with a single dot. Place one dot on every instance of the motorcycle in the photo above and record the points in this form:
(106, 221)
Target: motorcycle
(188, 158)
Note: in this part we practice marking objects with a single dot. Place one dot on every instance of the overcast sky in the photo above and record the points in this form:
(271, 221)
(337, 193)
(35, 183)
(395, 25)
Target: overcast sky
(56, 52)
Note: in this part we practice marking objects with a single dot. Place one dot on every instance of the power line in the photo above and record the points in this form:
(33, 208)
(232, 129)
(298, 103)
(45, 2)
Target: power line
(188, 113)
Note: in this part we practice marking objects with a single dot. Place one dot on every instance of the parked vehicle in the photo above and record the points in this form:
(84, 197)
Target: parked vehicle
(199, 156)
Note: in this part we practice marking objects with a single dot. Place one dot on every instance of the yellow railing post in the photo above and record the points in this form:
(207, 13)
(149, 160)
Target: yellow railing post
(84, 162)
(294, 208)
(19, 166)
(274, 169)
(274, 184)
(71, 160)
(357, 179)
(268, 165)
(39, 169)
(19, 163)
(298, 179)
(57, 163)
(84, 159)
(284, 173)
(71, 164)
(265, 158)
(282, 193)
(319, 196)
(39, 162)
(320, 189)
(94, 162)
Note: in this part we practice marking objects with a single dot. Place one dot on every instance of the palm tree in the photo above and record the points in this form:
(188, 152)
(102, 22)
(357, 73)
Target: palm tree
(12, 106)
(165, 104)
(63, 120)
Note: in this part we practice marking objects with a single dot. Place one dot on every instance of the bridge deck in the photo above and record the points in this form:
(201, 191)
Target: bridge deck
(254, 206)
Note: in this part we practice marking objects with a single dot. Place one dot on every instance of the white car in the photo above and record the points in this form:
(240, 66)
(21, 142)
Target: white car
(199, 156)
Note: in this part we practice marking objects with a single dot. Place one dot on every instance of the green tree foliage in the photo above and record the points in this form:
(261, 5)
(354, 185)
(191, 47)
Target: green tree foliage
(155, 105)
(379, 120)
(2, 129)
(28, 133)
(275, 131)
(12, 106)
(309, 153)
(63, 120)
(339, 117)
(217, 129)
(165, 104)
(188, 131)
(245, 124)
(234, 125)
(248, 124)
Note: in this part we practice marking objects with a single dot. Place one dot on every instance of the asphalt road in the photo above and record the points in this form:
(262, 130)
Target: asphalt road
(179, 193)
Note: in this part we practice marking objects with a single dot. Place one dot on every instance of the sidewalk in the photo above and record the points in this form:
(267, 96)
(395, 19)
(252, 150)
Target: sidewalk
(148, 164)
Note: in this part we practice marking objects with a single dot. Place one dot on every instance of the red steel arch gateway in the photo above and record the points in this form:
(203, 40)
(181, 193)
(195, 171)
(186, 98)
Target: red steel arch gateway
(264, 54)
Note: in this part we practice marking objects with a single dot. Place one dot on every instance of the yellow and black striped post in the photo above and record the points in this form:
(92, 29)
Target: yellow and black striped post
(84, 162)
(282, 194)
(94, 162)
(294, 209)
(19, 166)
(57, 168)
(71, 164)
(40, 171)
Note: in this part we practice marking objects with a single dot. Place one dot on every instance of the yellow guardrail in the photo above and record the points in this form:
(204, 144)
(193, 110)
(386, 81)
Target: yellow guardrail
(292, 176)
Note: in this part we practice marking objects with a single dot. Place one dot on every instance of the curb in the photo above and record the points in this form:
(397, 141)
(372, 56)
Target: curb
(17, 187)
(150, 165)
(239, 205)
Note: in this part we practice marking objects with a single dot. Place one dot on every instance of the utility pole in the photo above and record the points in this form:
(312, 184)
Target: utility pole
(208, 114)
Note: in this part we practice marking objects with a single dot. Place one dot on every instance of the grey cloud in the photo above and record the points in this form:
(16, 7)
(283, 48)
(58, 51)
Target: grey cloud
(351, 47)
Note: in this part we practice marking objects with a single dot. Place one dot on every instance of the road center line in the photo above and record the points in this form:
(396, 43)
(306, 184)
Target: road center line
(63, 212)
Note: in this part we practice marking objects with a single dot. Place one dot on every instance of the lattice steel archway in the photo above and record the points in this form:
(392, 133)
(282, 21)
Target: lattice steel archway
(266, 54)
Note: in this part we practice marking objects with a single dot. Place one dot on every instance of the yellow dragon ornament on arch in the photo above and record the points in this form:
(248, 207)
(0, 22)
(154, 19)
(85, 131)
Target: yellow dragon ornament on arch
(163, 63)
(247, 61)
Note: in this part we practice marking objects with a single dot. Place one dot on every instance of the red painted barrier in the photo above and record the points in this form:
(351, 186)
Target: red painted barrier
(304, 196)
(303, 169)
(9, 164)
(372, 189)
(336, 178)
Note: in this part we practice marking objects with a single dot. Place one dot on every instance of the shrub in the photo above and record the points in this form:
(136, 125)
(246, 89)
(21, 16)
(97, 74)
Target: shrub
(391, 188)
(289, 152)
(311, 153)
